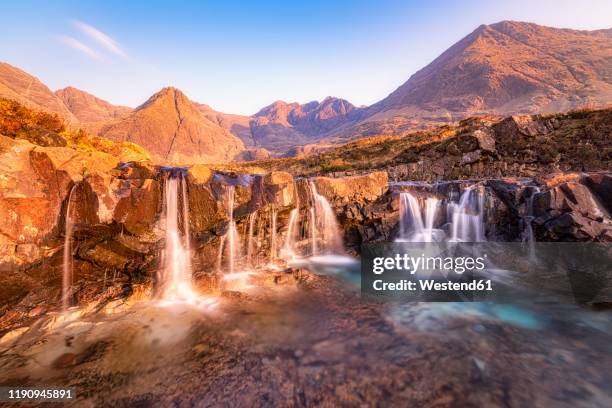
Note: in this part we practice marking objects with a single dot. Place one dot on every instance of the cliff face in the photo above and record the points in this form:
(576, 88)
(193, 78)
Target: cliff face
(174, 130)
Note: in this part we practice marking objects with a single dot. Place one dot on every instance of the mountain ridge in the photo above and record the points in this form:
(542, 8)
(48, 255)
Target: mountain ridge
(89, 108)
(182, 132)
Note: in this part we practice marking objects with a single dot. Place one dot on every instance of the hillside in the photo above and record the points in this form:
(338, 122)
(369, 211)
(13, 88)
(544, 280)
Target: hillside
(88, 108)
(476, 147)
(29, 91)
(504, 69)
(172, 128)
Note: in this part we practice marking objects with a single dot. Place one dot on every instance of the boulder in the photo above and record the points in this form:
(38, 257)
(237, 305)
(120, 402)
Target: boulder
(601, 185)
(570, 212)
(365, 188)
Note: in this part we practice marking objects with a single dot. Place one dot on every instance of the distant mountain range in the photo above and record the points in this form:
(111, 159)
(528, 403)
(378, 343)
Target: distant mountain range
(501, 69)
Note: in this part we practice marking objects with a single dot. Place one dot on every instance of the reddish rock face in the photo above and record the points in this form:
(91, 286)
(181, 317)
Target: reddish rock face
(139, 204)
(32, 193)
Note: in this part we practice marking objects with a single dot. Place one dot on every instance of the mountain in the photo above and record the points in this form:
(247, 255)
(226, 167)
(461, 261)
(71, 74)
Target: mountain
(26, 89)
(173, 129)
(88, 108)
(281, 125)
(504, 68)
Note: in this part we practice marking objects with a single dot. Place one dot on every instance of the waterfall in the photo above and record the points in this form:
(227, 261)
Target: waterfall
(231, 238)
(67, 255)
(528, 223)
(250, 240)
(273, 251)
(415, 226)
(175, 277)
(186, 215)
(313, 232)
(324, 227)
(467, 223)
(288, 250)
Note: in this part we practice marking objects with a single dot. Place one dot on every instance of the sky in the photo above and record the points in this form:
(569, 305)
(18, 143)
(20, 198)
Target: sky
(241, 56)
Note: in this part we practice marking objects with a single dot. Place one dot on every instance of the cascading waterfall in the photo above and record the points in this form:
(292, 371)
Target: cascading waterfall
(313, 231)
(175, 277)
(231, 238)
(325, 232)
(467, 216)
(250, 239)
(413, 227)
(273, 219)
(67, 255)
(288, 249)
(528, 222)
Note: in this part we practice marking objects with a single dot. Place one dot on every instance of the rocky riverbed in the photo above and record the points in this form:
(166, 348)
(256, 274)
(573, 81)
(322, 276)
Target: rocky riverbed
(299, 339)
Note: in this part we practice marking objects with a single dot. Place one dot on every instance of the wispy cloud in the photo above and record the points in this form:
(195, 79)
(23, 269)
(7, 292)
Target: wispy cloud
(99, 37)
(77, 45)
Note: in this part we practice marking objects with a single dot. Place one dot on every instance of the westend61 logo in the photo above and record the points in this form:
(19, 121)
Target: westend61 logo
(451, 272)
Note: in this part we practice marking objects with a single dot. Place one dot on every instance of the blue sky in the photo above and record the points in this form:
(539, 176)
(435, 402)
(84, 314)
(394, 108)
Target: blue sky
(240, 56)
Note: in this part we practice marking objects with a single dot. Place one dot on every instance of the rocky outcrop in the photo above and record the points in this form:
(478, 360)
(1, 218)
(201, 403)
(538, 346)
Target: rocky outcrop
(571, 212)
(116, 212)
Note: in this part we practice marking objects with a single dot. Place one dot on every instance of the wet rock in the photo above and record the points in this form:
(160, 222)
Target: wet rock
(135, 170)
(139, 204)
(601, 185)
(570, 212)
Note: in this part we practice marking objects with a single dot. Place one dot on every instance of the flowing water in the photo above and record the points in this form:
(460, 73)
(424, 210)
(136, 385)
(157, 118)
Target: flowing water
(232, 238)
(528, 218)
(467, 216)
(67, 255)
(273, 237)
(325, 231)
(174, 279)
(305, 330)
(251, 239)
(415, 226)
(288, 250)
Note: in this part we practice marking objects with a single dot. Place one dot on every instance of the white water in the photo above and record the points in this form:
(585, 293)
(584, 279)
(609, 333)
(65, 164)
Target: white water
(288, 250)
(273, 239)
(467, 223)
(175, 276)
(67, 255)
(232, 238)
(528, 218)
(313, 231)
(415, 226)
(251, 240)
(325, 232)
